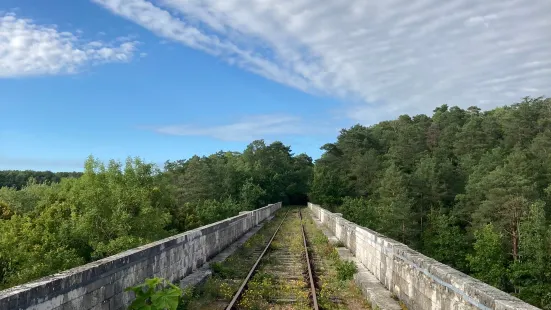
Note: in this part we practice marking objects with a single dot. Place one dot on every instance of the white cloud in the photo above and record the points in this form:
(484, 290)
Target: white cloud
(397, 55)
(28, 49)
(246, 129)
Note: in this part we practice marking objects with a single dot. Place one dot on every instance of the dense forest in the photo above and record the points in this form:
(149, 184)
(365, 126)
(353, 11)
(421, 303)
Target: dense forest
(469, 188)
(18, 179)
(46, 228)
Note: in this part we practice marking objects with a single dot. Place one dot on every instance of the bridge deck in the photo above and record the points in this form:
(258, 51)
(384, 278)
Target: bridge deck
(281, 280)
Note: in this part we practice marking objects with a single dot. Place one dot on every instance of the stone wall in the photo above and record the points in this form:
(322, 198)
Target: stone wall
(419, 281)
(101, 284)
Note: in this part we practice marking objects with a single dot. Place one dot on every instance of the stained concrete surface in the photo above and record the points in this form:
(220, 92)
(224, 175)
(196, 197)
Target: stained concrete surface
(420, 282)
(377, 295)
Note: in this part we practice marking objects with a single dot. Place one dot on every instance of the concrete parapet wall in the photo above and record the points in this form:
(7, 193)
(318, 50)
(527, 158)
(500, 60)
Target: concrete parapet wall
(419, 281)
(101, 284)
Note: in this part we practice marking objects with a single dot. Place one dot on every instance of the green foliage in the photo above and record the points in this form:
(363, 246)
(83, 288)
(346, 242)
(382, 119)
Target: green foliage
(5, 211)
(107, 210)
(487, 261)
(362, 211)
(251, 194)
(530, 273)
(155, 294)
(18, 179)
(346, 270)
(111, 207)
(443, 233)
(222, 270)
(395, 205)
(432, 182)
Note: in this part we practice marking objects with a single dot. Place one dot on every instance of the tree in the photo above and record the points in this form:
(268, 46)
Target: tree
(531, 273)
(508, 190)
(487, 261)
(5, 211)
(18, 179)
(252, 195)
(328, 187)
(395, 206)
(362, 210)
(445, 177)
(444, 240)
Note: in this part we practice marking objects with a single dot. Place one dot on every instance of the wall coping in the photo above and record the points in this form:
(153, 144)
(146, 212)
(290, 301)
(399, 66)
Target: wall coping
(473, 291)
(72, 278)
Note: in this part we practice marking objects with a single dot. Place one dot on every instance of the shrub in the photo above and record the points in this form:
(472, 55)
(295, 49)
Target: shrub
(346, 270)
(155, 294)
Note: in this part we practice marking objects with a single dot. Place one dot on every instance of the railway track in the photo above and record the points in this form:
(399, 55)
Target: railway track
(282, 276)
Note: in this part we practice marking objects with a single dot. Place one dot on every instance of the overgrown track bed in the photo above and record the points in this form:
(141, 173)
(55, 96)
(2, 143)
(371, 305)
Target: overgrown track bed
(218, 289)
(335, 286)
(282, 278)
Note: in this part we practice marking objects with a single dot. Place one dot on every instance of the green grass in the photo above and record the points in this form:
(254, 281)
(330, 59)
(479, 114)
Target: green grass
(336, 290)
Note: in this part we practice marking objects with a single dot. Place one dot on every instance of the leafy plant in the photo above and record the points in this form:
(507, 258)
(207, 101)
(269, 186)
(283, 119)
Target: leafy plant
(222, 271)
(346, 270)
(155, 294)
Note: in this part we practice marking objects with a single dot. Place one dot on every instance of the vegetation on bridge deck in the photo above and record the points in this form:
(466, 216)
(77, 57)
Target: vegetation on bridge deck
(468, 188)
(281, 281)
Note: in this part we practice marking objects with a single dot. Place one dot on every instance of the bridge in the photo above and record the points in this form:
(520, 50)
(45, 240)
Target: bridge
(388, 274)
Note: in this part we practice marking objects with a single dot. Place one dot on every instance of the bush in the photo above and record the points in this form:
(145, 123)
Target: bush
(346, 270)
(155, 294)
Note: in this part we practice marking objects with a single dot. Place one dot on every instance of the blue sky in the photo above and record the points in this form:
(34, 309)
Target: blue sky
(167, 79)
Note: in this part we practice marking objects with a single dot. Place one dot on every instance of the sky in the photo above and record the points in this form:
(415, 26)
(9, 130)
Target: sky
(167, 79)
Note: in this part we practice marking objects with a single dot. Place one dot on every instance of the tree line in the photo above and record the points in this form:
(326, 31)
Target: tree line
(52, 226)
(468, 188)
(19, 178)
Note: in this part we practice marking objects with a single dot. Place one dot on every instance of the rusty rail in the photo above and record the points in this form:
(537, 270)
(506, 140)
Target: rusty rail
(310, 274)
(241, 289)
(253, 269)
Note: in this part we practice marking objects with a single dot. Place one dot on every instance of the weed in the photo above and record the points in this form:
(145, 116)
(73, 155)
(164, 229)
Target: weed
(222, 271)
(335, 289)
(155, 294)
(185, 299)
(346, 270)
(334, 255)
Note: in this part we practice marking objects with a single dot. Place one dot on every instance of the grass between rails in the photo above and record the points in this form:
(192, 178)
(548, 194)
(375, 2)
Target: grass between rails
(335, 287)
(217, 291)
(281, 281)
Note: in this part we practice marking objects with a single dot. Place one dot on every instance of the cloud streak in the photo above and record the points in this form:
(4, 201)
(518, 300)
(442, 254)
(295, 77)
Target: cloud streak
(28, 49)
(399, 55)
(246, 129)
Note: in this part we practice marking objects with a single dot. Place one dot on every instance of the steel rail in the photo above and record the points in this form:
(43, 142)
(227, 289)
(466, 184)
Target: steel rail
(253, 269)
(310, 274)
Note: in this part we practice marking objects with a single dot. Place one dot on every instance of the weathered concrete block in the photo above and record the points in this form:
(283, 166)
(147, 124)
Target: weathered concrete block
(419, 281)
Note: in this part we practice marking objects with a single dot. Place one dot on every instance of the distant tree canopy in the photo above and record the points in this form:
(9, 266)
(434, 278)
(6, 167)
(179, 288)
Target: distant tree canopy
(51, 222)
(18, 178)
(471, 189)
